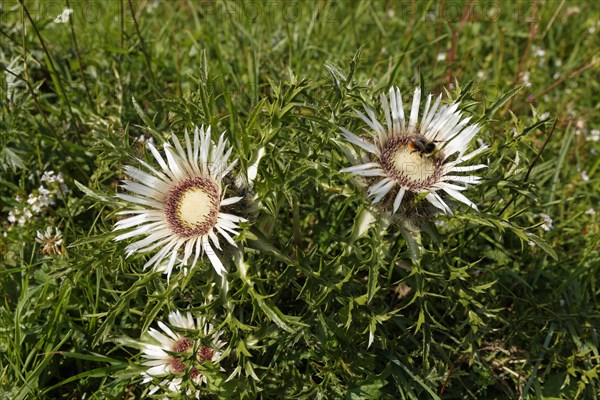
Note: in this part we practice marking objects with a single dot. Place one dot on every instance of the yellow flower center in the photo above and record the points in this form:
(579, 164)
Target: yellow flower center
(192, 207)
(412, 166)
(195, 207)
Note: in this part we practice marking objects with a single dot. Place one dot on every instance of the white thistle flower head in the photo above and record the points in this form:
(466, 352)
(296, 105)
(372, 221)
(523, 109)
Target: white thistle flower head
(172, 355)
(180, 206)
(417, 157)
(52, 241)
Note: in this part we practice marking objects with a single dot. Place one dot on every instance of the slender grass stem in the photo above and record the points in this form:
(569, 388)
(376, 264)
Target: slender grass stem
(142, 43)
(57, 79)
(78, 52)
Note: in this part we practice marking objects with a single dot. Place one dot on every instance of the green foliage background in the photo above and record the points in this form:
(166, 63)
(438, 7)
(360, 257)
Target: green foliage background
(489, 306)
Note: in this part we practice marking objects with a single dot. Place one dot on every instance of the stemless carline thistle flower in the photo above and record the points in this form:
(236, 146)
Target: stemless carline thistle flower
(418, 158)
(180, 205)
(52, 241)
(177, 350)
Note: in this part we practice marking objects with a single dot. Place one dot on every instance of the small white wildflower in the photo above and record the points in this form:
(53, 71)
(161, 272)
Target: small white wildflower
(47, 176)
(493, 12)
(57, 185)
(27, 214)
(441, 56)
(51, 177)
(481, 74)
(539, 52)
(590, 211)
(547, 225)
(64, 16)
(40, 200)
(525, 78)
(152, 6)
(531, 243)
(32, 199)
(43, 191)
(579, 126)
(594, 135)
(585, 176)
(12, 215)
